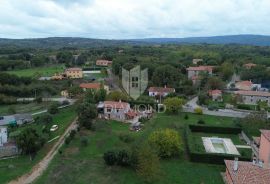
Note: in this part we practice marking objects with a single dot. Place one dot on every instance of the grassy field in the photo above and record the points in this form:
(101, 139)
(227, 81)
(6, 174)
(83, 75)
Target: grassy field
(23, 108)
(15, 167)
(78, 164)
(38, 71)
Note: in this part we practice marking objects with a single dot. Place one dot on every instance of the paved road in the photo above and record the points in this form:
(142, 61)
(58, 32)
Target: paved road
(42, 165)
(44, 111)
(60, 99)
(192, 104)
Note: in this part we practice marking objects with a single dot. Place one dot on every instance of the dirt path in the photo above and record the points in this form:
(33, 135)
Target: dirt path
(42, 165)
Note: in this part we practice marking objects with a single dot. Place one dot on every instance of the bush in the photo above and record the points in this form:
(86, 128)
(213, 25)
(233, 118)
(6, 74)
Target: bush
(67, 140)
(123, 158)
(110, 158)
(186, 116)
(201, 122)
(44, 119)
(215, 129)
(72, 134)
(84, 141)
(167, 142)
(198, 110)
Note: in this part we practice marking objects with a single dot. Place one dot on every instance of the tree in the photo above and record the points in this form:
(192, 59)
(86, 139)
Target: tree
(44, 119)
(53, 108)
(167, 142)
(198, 110)
(214, 83)
(116, 96)
(173, 105)
(86, 113)
(29, 141)
(123, 158)
(100, 95)
(148, 165)
(166, 75)
(226, 71)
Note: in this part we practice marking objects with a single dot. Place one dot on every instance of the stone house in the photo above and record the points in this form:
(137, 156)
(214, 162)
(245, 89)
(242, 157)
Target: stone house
(253, 97)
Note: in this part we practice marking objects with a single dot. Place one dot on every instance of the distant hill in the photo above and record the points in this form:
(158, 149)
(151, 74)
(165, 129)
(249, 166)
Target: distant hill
(59, 42)
(258, 40)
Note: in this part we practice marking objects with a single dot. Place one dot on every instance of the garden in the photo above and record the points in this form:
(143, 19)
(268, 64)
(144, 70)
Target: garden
(82, 160)
(196, 148)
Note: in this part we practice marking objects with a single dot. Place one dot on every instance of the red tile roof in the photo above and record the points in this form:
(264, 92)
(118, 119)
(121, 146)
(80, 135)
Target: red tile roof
(90, 85)
(161, 90)
(253, 93)
(266, 134)
(201, 68)
(214, 92)
(248, 173)
(131, 113)
(116, 105)
(244, 83)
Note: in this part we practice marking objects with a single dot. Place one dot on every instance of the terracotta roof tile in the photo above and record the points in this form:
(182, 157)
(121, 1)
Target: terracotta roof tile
(253, 93)
(266, 134)
(116, 105)
(90, 85)
(248, 173)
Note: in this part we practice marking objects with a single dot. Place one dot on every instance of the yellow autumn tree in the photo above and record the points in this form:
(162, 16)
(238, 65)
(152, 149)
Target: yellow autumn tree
(167, 142)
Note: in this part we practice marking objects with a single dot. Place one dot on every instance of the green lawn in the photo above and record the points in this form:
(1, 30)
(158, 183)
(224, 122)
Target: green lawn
(15, 167)
(23, 108)
(38, 71)
(81, 165)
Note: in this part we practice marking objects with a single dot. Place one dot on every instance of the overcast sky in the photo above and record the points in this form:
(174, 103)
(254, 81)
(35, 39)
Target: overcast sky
(119, 19)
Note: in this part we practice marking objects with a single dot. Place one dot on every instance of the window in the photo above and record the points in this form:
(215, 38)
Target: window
(135, 82)
(109, 110)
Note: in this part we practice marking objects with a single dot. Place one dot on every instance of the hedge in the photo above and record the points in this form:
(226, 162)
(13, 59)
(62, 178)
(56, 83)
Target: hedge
(215, 129)
(211, 158)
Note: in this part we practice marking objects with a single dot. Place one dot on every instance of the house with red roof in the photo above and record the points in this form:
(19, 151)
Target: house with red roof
(74, 73)
(215, 94)
(194, 72)
(240, 172)
(160, 91)
(244, 85)
(253, 97)
(102, 62)
(257, 171)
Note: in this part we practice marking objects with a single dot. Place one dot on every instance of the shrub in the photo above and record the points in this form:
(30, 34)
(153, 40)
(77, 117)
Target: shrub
(186, 116)
(67, 140)
(110, 158)
(201, 122)
(167, 142)
(72, 134)
(123, 158)
(198, 110)
(65, 102)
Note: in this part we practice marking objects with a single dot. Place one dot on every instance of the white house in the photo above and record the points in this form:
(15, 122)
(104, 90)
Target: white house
(159, 91)
(116, 110)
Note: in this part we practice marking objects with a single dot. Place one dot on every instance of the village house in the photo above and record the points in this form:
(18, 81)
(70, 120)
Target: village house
(253, 97)
(196, 61)
(74, 73)
(249, 65)
(103, 63)
(196, 71)
(240, 172)
(58, 76)
(244, 85)
(160, 91)
(216, 95)
(114, 110)
(93, 86)
(257, 171)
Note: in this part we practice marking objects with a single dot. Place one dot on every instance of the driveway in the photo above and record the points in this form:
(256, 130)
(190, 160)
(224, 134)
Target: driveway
(42, 165)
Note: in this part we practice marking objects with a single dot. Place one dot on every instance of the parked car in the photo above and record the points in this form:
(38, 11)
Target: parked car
(54, 128)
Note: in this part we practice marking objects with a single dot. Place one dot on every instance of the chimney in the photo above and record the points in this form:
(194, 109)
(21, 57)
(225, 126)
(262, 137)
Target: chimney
(235, 164)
